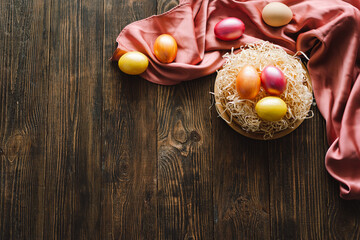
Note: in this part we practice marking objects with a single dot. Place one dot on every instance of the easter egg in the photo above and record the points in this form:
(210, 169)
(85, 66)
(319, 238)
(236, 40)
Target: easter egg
(271, 108)
(276, 14)
(165, 48)
(248, 82)
(133, 63)
(229, 29)
(273, 80)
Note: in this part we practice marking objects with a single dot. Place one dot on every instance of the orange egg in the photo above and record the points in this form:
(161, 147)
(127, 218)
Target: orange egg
(248, 82)
(165, 48)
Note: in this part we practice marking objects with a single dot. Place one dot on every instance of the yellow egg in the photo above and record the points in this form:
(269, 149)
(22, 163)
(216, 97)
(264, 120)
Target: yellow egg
(133, 63)
(276, 14)
(271, 108)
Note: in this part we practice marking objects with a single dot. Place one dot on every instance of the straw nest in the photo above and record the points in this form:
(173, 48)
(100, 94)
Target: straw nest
(240, 113)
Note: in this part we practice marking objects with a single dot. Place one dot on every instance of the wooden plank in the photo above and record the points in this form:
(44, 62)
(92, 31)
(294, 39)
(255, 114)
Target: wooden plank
(128, 203)
(292, 165)
(73, 169)
(185, 207)
(63, 117)
(86, 222)
(304, 198)
(241, 185)
(341, 217)
(24, 36)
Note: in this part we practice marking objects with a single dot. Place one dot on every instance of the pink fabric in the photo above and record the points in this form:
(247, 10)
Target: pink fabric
(328, 31)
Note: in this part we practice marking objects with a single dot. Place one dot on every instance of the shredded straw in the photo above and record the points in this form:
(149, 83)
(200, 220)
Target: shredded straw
(297, 96)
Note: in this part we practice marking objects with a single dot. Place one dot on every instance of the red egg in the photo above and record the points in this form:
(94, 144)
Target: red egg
(229, 29)
(273, 80)
(248, 82)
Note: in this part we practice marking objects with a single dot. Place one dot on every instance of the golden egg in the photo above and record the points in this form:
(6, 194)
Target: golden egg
(271, 108)
(133, 63)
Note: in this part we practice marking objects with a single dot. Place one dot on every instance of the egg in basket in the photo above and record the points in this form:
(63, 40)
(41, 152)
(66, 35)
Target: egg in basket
(262, 92)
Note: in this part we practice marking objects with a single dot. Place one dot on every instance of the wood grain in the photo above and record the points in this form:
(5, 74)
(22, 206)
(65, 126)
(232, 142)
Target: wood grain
(128, 204)
(291, 213)
(241, 184)
(87, 152)
(185, 207)
(166, 5)
(185, 204)
(24, 36)
(88, 165)
(73, 169)
(304, 199)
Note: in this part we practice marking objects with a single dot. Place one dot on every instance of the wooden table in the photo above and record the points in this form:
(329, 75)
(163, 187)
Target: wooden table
(87, 152)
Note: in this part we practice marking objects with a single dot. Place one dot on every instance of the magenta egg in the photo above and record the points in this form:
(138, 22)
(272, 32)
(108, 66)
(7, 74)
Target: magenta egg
(273, 80)
(229, 29)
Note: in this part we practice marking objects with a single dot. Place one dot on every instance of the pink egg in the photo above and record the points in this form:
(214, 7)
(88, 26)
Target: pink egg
(273, 80)
(229, 29)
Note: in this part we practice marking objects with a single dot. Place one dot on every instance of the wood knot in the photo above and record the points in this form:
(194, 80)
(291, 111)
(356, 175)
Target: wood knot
(195, 136)
(1, 151)
(180, 132)
(190, 238)
(17, 144)
(121, 171)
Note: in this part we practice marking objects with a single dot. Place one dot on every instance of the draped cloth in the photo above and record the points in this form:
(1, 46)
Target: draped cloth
(327, 31)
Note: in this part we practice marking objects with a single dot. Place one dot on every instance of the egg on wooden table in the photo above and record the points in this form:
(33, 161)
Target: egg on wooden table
(271, 108)
(248, 82)
(133, 63)
(276, 14)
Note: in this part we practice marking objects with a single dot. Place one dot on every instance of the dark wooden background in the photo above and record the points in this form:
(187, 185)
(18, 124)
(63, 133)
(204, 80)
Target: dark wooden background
(87, 152)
